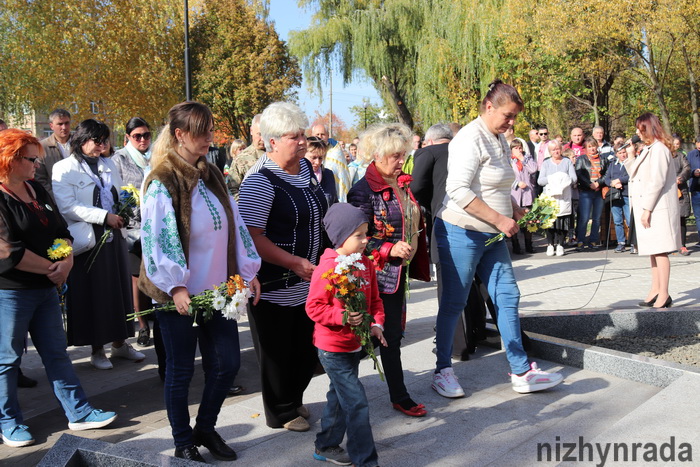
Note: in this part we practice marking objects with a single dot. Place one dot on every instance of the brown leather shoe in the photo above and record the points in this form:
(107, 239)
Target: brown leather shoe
(298, 424)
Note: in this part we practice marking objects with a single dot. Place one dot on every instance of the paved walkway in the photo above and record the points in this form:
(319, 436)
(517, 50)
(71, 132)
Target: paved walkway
(492, 425)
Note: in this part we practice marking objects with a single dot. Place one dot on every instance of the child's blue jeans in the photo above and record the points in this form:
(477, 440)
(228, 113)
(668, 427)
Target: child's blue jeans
(347, 409)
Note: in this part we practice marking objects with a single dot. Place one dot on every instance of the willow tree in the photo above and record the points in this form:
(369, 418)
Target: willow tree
(123, 55)
(457, 58)
(377, 37)
(239, 63)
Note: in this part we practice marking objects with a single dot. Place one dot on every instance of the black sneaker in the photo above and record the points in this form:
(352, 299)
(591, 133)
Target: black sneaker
(333, 454)
(144, 338)
(189, 453)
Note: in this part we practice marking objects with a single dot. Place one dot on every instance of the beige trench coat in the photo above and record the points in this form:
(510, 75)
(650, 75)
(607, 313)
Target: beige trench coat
(652, 186)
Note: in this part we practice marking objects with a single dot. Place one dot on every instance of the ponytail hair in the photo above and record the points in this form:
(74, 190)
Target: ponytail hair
(500, 94)
(162, 146)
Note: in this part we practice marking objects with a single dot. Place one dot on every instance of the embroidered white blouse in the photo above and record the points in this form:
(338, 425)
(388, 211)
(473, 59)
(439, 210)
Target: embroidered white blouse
(164, 258)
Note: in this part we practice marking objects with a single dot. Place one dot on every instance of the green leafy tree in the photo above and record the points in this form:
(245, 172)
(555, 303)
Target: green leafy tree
(239, 63)
(123, 55)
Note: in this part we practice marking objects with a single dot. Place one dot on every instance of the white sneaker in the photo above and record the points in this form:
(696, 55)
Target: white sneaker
(128, 352)
(560, 250)
(445, 383)
(100, 361)
(535, 380)
(550, 250)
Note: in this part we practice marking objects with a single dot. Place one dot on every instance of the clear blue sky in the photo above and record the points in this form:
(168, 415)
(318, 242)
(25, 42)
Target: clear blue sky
(287, 16)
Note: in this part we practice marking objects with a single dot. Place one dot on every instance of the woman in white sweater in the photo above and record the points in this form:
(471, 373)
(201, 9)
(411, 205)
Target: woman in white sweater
(477, 207)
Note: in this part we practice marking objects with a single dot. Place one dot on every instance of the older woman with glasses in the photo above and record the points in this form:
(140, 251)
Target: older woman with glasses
(283, 206)
(132, 163)
(86, 187)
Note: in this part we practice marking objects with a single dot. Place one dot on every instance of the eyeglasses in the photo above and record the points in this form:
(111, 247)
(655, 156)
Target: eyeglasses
(99, 141)
(33, 160)
(140, 136)
(544, 134)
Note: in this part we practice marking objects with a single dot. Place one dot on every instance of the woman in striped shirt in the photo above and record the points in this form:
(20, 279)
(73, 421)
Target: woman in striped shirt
(283, 206)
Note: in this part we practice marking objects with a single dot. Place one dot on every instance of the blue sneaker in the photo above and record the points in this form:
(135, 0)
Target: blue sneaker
(333, 454)
(17, 436)
(95, 419)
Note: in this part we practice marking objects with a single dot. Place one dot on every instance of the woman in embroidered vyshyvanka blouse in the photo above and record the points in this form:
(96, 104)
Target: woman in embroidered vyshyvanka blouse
(193, 238)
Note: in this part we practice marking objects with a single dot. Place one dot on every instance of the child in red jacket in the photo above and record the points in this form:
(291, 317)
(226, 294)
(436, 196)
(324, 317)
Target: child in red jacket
(339, 349)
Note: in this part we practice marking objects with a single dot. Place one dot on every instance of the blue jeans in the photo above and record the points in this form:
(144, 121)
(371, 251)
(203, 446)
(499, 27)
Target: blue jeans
(346, 409)
(38, 312)
(618, 209)
(221, 359)
(590, 206)
(695, 201)
(462, 254)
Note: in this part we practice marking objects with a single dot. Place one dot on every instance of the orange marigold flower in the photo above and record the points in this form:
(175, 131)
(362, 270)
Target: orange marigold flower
(329, 287)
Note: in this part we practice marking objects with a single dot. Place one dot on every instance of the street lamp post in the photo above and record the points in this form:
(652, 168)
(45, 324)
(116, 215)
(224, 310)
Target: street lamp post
(188, 90)
(364, 104)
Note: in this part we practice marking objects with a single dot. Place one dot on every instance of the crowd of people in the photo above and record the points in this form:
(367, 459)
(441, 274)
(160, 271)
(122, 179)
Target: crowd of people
(281, 213)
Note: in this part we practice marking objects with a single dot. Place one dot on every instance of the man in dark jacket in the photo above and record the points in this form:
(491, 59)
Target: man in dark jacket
(429, 178)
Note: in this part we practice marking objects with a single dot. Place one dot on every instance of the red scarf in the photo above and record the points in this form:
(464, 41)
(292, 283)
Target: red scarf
(518, 163)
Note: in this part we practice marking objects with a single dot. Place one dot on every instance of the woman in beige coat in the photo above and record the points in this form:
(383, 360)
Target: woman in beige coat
(654, 199)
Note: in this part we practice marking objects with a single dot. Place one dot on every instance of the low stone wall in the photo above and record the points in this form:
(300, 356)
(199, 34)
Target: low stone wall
(553, 337)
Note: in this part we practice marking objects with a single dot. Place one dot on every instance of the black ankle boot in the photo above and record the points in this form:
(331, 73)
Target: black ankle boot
(215, 444)
(190, 453)
(516, 246)
(24, 381)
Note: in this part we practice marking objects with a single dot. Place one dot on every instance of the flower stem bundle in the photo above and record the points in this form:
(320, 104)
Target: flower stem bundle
(230, 298)
(540, 217)
(129, 201)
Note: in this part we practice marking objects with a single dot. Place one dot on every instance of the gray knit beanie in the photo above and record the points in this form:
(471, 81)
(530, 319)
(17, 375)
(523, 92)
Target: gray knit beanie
(341, 220)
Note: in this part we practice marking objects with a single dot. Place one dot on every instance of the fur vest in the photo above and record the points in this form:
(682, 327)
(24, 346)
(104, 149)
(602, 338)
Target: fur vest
(180, 179)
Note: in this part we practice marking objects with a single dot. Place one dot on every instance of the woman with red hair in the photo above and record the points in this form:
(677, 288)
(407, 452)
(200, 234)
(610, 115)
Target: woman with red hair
(653, 196)
(29, 224)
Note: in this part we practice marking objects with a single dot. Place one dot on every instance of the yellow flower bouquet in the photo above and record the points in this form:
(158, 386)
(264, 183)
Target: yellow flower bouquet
(59, 250)
(541, 216)
(129, 201)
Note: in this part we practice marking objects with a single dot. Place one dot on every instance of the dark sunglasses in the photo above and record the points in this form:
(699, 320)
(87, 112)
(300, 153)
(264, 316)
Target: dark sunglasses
(316, 140)
(33, 160)
(99, 141)
(140, 136)
(544, 134)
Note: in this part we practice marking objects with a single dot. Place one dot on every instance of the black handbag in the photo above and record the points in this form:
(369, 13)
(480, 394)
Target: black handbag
(613, 194)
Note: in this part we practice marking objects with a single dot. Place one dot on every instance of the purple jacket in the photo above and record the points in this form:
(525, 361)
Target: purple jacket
(386, 227)
(524, 196)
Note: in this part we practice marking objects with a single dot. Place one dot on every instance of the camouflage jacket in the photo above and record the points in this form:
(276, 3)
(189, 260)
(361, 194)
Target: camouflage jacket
(239, 166)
